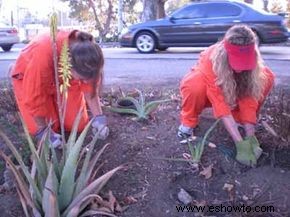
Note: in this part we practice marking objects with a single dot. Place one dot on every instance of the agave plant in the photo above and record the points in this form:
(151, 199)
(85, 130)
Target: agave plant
(58, 187)
(138, 107)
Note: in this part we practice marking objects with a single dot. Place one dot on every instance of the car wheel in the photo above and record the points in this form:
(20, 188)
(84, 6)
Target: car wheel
(145, 42)
(162, 48)
(6, 47)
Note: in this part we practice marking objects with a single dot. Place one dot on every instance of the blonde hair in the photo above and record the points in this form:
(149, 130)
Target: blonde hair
(238, 85)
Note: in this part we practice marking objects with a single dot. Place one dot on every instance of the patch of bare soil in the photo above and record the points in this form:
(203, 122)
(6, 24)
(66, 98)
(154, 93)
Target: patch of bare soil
(150, 185)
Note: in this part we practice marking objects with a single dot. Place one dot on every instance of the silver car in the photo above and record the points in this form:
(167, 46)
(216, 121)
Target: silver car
(8, 36)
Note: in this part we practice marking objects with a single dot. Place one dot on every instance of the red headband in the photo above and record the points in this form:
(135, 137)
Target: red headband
(241, 57)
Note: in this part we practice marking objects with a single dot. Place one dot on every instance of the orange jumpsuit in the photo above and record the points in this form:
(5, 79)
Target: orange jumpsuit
(198, 91)
(34, 85)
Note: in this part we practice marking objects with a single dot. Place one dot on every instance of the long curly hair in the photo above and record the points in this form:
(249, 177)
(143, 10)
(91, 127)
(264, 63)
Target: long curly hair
(238, 85)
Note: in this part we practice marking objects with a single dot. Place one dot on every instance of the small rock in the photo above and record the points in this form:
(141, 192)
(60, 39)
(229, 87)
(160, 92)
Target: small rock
(184, 197)
(9, 179)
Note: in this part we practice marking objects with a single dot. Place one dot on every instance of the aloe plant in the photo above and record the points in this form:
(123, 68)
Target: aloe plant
(196, 151)
(52, 187)
(141, 108)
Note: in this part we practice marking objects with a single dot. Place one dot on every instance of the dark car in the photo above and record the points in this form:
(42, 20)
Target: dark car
(203, 24)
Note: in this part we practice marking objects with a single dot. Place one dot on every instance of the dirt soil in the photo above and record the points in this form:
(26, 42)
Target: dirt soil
(150, 184)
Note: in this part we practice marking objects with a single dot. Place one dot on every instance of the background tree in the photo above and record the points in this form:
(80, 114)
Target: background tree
(172, 5)
(288, 11)
(276, 6)
(149, 10)
(249, 1)
(131, 14)
(265, 5)
(101, 12)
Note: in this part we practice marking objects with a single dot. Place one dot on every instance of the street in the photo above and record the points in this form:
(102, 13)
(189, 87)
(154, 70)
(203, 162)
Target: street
(127, 66)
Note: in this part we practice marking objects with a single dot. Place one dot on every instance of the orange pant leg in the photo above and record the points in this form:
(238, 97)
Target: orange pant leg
(75, 102)
(26, 115)
(194, 98)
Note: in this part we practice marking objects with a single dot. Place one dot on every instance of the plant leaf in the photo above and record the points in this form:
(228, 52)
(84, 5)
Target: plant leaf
(22, 165)
(49, 200)
(93, 162)
(20, 182)
(77, 209)
(124, 111)
(81, 179)
(95, 212)
(94, 187)
(67, 182)
(150, 106)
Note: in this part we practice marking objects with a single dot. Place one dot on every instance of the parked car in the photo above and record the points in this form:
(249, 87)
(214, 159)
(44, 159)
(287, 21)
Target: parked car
(8, 36)
(203, 24)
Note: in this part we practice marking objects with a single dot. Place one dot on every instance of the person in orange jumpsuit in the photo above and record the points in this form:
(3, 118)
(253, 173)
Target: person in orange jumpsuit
(34, 84)
(230, 77)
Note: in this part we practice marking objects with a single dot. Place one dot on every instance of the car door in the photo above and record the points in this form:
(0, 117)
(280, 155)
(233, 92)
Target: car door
(200, 23)
(219, 18)
(184, 25)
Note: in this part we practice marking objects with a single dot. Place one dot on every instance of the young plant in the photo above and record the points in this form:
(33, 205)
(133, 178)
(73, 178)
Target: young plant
(54, 187)
(139, 107)
(196, 151)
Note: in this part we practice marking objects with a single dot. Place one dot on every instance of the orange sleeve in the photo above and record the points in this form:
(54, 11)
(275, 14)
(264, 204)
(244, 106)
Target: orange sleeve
(214, 93)
(38, 78)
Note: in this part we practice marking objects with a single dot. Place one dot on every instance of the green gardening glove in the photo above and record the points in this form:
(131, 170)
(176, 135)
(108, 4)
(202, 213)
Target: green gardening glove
(245, 154)
(255, 146)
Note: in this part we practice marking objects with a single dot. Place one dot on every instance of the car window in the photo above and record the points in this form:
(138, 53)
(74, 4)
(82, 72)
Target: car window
(190, 12)
(215, 10)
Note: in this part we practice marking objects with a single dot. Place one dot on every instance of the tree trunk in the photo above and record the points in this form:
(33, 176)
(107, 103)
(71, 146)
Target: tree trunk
(265, 5)
(249, 1)
(160, 9)
(149, 10)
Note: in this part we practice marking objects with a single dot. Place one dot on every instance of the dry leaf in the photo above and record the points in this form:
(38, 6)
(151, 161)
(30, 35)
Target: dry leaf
(130, 200)
(199, 203)
(228, 187)
(207, 172)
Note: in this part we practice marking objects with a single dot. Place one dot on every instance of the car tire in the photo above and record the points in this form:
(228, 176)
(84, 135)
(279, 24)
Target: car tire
(7, 48)
(145, 42)
(162, 48)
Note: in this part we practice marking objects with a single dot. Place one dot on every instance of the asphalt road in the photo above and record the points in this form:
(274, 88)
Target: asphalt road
(127, 66)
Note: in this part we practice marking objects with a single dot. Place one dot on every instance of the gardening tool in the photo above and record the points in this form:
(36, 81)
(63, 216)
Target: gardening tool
(100, 127)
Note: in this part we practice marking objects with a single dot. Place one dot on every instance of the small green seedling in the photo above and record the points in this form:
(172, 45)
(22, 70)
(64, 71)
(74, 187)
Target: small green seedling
(137, 107)
(196, 151)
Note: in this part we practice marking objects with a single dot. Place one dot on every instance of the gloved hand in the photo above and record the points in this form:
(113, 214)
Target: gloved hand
(100, 127)
(245, 154)
(255, 146)
(54, 138)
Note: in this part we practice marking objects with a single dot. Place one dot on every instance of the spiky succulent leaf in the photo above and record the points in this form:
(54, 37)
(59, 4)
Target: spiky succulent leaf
(22, 165)
(92, 188)
(124, 111)
(67, 183)
(80, 183)
(149, 107)
(49, 200)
